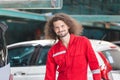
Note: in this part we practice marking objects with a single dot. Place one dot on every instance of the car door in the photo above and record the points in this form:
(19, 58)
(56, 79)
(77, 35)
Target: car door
(28, 73)
(41, 62)
(22, 62)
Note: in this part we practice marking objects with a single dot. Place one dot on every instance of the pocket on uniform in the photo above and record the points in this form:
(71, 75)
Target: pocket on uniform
(78, 59)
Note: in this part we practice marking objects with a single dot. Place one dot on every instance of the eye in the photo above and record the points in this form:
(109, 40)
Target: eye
(55, 27)
(62, 26)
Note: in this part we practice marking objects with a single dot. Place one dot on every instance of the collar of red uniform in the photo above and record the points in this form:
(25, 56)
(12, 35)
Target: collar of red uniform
(72, 36)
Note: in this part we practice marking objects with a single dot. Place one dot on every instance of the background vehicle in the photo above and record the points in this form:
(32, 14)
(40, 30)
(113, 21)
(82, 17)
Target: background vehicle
(4, 64)
(28, 59)
(112, 53)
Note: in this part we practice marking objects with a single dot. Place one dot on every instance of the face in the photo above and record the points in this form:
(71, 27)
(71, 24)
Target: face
(60, 28)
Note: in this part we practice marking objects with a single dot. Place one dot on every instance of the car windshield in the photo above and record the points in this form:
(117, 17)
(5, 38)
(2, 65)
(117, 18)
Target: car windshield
(19, 56)
(113, 57)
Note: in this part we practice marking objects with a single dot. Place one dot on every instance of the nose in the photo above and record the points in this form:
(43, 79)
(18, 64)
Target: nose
(59, 29)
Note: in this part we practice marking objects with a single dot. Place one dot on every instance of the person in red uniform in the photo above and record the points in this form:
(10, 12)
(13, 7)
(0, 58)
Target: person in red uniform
(71, 54)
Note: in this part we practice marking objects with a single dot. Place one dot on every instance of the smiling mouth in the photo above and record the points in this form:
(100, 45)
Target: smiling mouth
(61, 31)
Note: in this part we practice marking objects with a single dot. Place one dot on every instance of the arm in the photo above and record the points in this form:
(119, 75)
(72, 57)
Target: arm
(50, 68)
(92, 60)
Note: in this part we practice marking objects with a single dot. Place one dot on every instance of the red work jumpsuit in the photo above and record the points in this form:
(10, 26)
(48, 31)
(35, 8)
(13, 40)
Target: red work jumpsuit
(72, 62)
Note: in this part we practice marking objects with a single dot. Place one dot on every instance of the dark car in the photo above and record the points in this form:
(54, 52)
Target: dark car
(4, 63)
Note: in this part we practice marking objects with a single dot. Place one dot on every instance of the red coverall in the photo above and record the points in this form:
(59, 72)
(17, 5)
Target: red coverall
(72, 62)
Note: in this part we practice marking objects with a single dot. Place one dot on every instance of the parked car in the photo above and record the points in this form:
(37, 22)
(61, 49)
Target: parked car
(4, 63)
(112, 53)
(28, 60)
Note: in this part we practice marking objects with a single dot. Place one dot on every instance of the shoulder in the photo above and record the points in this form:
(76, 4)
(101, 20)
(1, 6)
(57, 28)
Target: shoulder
(53, 48)
(81, 38)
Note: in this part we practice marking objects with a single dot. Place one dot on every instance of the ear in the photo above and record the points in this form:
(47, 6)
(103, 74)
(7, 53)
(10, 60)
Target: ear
(68, 27)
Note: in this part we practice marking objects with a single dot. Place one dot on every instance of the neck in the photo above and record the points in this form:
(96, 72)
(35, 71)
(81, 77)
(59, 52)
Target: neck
(65, 40)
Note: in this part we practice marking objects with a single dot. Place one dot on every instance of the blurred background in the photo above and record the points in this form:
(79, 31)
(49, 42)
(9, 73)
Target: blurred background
(26, 18)
(99, 21)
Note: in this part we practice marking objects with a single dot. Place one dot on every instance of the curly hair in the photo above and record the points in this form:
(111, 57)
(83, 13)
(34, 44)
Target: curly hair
(69, 21)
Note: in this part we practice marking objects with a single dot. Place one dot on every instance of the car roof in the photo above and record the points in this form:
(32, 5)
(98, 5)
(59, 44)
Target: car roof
(98, 45)
(33, 43)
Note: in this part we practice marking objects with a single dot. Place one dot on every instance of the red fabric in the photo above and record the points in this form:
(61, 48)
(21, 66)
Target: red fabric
(97, 77)
(71, 62)
(107, 68)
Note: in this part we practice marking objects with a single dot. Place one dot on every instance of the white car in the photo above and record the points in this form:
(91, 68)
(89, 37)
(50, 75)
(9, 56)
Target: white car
(112, 53)
(28, 60)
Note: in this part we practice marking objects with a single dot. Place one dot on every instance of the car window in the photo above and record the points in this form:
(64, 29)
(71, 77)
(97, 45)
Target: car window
(43, 55)
(20, 56)
(113, 57)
